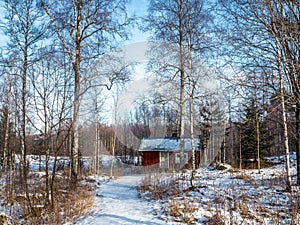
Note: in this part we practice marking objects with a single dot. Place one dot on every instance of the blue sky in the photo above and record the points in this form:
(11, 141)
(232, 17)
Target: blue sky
(3, 38)
(135, 7)
(139, 9)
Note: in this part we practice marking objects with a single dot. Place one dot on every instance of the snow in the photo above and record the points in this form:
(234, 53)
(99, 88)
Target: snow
(165, 144)
(117, 202)
(38, 162)
(232, 196)
(227, 195)
(237, 197)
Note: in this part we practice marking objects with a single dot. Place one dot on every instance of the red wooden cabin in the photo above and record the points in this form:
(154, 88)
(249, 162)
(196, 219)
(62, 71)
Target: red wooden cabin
(165, 152)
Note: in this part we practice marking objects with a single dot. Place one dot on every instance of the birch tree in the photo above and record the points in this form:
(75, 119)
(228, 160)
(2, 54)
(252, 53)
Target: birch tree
(24, 26)
(51, 98)
(85, 29)
(6, 126)
(286, 31)
(172, 21)
(271, 44)
(9, 154)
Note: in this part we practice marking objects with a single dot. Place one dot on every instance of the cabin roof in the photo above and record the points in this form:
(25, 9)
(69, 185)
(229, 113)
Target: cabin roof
(168, 144)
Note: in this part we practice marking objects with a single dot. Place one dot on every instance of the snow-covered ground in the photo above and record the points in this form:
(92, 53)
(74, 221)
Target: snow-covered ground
(227, 196)
(222, 197)
(117, 202)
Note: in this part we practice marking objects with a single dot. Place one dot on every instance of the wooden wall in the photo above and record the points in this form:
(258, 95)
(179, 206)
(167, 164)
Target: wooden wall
(150, 158)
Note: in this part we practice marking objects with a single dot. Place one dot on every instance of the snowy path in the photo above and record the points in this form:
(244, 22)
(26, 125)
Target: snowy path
(117, 203)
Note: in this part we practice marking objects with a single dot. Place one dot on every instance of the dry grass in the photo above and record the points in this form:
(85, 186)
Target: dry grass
(170, 189)
(183, 210)
(155, 186)
(216, 219)
(69, 205)
(245, 177)
(248, 200)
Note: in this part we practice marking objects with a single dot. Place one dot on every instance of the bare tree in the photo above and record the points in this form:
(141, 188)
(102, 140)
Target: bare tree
(274, 33)
(51, 84)
(24, 27)
(81, 25)
(174, 21)
(8, 153)
(286, 32)
(271, 44)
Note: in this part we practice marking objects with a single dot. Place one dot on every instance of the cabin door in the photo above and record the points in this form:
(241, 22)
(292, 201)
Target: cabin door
(164, 159)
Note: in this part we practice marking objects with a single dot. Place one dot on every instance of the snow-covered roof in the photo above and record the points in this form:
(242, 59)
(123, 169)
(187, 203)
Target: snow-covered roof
(166, 144)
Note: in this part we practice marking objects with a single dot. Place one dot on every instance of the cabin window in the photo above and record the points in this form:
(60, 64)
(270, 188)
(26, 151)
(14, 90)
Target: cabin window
(164, 160)
(177, 158)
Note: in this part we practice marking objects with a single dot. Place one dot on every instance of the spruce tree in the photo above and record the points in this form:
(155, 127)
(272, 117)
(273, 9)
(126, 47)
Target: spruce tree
(249, 132)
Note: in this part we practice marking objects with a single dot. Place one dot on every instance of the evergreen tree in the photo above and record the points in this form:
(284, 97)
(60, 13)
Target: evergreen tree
(249, 132)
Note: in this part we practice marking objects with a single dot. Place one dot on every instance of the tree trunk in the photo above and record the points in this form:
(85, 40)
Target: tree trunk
(113, 141)
(75, 127)
(240, 148)
(191, 98)
(96, 139)
(298, 140)
(46, 137)
(7, 156)
(23, 123)
(47, 156)
(258, 141)
(286, 138)
(25, 167)
(284, 118)
(182, 84)
(223, 159)
(114, 135)
(58, 146)
(75, 136)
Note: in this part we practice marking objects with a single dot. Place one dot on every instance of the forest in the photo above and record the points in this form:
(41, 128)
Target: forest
(78, 86)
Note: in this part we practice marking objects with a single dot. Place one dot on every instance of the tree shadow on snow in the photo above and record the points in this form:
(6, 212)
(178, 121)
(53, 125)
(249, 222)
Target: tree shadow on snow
(125, 220)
